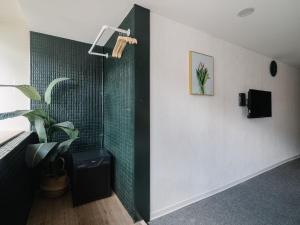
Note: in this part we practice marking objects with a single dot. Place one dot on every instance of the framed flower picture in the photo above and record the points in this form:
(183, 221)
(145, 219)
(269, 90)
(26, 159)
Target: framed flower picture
(201, 77)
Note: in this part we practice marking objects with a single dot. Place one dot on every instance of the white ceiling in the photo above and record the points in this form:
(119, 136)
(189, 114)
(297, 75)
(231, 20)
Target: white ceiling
(79, 20)
(10, 11)
(273, 29)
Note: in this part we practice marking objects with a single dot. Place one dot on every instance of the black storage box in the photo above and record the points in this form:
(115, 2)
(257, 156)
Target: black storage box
(91, 176)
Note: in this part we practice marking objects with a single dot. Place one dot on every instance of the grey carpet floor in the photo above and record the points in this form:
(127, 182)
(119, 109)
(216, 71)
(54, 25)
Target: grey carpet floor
(272, 198)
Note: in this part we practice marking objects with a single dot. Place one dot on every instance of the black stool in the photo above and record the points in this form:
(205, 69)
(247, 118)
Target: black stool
(91, 176)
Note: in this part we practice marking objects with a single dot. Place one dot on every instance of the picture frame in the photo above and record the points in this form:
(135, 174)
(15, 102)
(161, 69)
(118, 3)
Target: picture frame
(201, 74)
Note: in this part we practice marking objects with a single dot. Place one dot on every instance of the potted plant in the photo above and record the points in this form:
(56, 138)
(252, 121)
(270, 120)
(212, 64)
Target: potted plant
(47, 154)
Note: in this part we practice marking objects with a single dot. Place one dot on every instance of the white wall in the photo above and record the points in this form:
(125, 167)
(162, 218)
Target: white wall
(14, 69)
(200, 145)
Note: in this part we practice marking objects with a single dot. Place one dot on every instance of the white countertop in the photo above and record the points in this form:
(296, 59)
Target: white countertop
(5, 136)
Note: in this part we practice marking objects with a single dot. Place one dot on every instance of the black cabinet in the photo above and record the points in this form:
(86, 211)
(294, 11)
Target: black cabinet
(91, 176)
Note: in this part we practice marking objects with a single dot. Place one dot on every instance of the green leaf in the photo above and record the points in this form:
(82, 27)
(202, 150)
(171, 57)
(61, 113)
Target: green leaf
(62, 148)
(203, 76)
(65, 145)
(206, 78)
(72, 133)
(36, 117)
(66, 124)
(13, 114)
(68, 128)
(41, 113)
(39, 126)
(27, 90)
(35, 153)
(50, 88)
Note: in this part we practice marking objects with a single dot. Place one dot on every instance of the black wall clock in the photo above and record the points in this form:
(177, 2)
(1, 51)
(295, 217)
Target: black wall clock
(273, 68)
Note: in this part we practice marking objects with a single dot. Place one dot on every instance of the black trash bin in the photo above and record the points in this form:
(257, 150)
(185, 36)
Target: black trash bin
(91, 176)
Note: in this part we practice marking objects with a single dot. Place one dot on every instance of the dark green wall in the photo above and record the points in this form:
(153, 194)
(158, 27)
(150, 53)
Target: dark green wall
(126, 115)
(78, 100)
(142, 113)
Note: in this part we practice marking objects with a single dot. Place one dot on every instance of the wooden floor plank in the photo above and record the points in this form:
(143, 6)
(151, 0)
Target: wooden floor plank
(60, 211)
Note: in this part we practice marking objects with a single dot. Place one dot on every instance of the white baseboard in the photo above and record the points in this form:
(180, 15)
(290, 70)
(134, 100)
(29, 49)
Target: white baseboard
(158, 213)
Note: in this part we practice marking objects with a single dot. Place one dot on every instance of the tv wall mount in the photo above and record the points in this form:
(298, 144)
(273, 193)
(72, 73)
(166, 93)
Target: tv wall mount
(242, 100)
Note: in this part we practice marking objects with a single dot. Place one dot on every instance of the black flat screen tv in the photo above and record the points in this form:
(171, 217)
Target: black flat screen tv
(259, 104)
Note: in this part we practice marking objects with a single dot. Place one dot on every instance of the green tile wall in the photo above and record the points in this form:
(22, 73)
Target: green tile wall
(119, 117)
(78, 100)
(126, 115)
